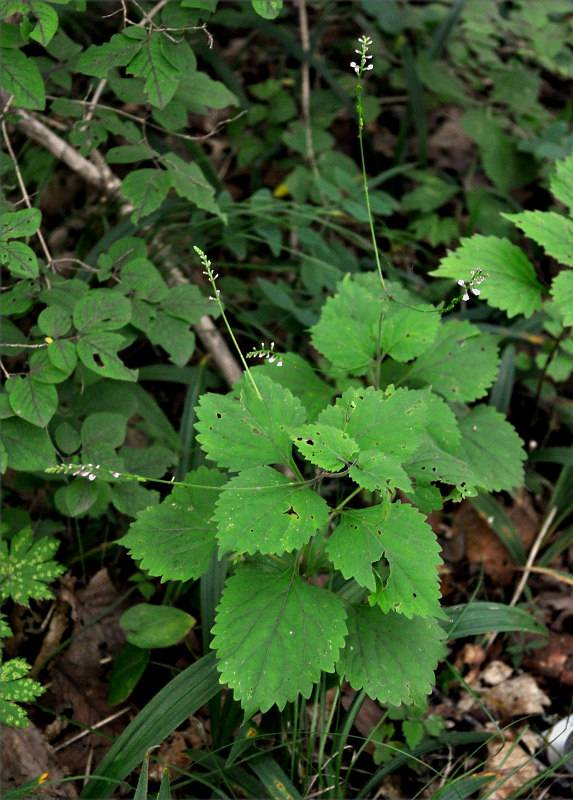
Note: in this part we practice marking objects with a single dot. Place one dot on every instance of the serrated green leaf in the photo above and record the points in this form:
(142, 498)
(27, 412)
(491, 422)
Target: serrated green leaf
(407, 332)
(176, 539)
(16, 688)
(408, 544)
(550, 230)
(19, 259)
(33, 401)
(160, 74)
(99, 352)
(562, 181)
(432, 464)
(242, 432)
(493, 449)
(462, 364)
(377, 471)
(391, 421)
(27, 566)
(391, 657)
(18, 224)
(155, 626)
(147, 189)
(99, 59)
(300, 378)
(29, 448)
(18, 299)
(511, 283)
(347, 332)
(21, 77)
(562, 293)
(190, 182)
(270, 619)
(262, 511)
(410, 547)
(325, 446)
(102, 309)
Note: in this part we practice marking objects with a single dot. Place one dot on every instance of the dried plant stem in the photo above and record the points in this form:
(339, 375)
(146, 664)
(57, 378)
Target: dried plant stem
(528, 565)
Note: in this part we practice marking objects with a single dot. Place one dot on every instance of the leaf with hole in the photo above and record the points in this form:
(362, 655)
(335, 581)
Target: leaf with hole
(99, 353)
(263, 511)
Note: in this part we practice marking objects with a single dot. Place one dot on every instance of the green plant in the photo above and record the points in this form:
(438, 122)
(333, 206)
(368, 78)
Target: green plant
(27, 568)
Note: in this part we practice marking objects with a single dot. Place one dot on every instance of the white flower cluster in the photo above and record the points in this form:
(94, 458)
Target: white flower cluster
(268, 353)
(477, 277)
(365, 42)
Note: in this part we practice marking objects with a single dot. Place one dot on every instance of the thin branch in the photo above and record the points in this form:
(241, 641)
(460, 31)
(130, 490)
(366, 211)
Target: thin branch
(22, 185)
(528, 565)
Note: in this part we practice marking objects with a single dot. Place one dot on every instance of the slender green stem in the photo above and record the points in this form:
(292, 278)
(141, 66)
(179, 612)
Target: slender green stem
(365, 42)
(212, 278)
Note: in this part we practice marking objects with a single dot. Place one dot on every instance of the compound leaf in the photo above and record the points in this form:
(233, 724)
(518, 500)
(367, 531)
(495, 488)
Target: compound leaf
(16, 688)
(242, 432)
(161, 76)
(263, 511)
(492, 449)
(176, 539)
(391, 657)
(461, 365)
(99, 59)
(27, 566)
(511, 283)
(268, 621)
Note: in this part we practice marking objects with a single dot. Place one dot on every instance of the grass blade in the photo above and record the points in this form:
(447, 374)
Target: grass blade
(181, 698)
